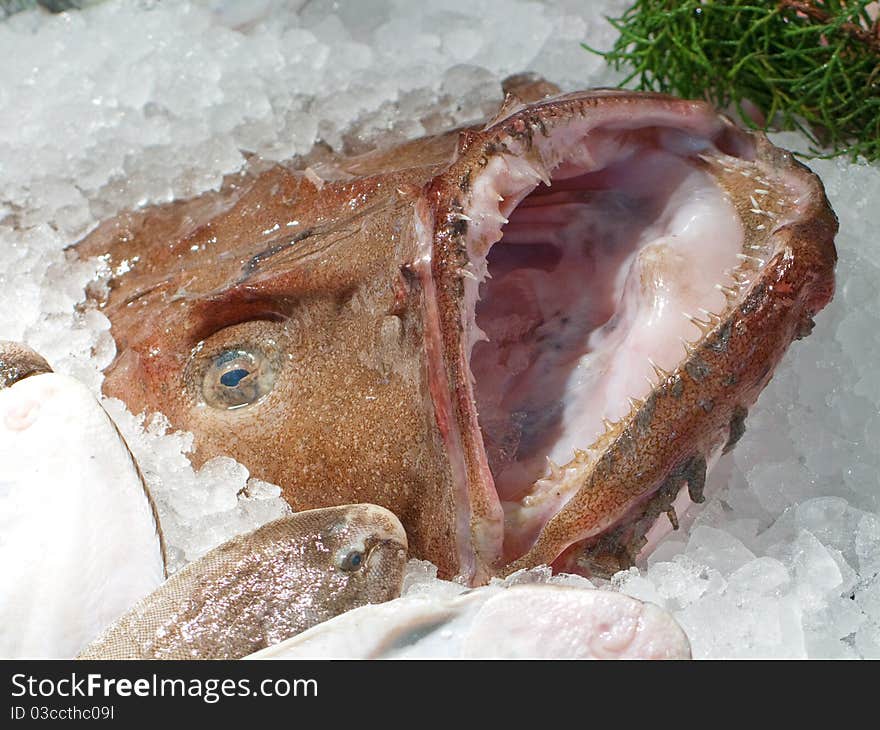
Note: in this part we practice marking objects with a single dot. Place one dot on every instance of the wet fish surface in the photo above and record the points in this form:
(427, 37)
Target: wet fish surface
(261, 588)
(521, 622)
(79, 538)
(529, 339)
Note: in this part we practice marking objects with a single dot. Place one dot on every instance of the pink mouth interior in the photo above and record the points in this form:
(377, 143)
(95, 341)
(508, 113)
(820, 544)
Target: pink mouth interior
(590, 284)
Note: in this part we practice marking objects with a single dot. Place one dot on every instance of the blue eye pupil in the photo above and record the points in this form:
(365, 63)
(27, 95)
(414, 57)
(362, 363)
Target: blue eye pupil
(356, 560)
(234, 377)
(237, 377)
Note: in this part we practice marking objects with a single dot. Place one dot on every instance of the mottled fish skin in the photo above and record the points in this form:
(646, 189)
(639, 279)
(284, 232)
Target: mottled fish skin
(266, 586)
(351, 278)
(18, 361)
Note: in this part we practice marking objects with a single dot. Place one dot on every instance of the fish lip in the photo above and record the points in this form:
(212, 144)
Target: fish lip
(810, 238)
(391, 549)
(394, 532)
(388, 543)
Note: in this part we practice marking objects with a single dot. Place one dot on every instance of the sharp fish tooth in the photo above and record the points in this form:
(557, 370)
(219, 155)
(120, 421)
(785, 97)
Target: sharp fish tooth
(479, 335)
(660, 372)
(543, 177)
(698, 323)
(746, 257)
(555, 469)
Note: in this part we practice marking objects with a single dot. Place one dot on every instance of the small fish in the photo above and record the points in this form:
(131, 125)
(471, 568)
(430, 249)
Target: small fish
(259, 589)
(521, 622)
(79, 539)
(529, 338)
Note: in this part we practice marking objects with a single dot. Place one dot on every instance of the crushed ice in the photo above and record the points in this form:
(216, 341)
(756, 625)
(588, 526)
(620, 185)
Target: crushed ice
(127, 104)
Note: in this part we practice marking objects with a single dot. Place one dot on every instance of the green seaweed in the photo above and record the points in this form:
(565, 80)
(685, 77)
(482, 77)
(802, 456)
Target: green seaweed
(809, 66)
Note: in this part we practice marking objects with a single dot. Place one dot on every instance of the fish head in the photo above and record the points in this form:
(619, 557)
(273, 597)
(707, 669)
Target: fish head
(618, 275)
(264, 586)
(527, 338)
(275, 321)
(296, 571)
(360, 553)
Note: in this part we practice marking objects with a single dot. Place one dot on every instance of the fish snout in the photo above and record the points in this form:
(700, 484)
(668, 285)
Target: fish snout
(385, 550)
(386, 530)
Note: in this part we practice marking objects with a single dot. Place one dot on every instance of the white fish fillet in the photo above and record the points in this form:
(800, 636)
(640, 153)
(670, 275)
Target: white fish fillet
(79, 543)
(524, 621)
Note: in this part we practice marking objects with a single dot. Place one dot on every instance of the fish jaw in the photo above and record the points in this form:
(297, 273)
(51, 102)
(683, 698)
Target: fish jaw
(361, 283)
(693, 329)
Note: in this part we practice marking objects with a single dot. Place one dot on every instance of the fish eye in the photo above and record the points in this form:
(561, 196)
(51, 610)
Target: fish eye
(237, 378)
(351, 561)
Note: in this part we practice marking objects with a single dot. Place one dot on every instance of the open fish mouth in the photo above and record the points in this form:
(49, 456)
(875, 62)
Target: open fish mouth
(616, 277)
(527, 339)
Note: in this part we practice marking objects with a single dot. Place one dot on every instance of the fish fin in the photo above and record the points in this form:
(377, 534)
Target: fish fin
(511, 105)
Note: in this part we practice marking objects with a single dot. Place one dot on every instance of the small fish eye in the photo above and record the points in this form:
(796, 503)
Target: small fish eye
(352, 560)
(237, 378)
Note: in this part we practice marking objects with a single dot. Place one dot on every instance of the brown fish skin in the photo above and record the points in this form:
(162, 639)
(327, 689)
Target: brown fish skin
(350, 417)
(18, 362)
(263, 587)
(351, 276)
(341, 288)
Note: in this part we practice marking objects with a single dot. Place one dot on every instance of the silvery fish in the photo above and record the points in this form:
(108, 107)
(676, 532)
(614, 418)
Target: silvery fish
(261, 588)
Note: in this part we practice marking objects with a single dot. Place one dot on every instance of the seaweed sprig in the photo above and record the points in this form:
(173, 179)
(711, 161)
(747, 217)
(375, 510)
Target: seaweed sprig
(807, 65)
